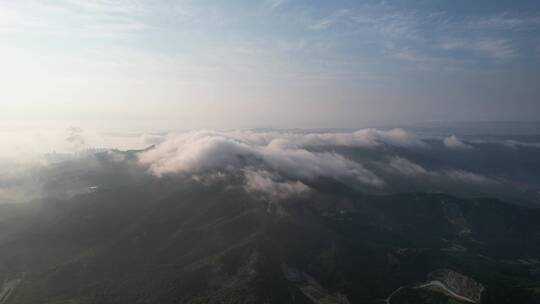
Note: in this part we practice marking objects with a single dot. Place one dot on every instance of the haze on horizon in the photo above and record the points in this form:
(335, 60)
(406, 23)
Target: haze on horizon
(274, 63)
(272, 151)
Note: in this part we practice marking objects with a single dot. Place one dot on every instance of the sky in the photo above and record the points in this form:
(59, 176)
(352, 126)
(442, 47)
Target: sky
(270, 63)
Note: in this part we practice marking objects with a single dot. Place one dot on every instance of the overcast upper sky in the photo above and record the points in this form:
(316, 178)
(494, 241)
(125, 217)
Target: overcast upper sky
(275, 63)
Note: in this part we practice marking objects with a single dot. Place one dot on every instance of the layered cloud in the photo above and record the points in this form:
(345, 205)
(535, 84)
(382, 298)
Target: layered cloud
(272, 160)
(269, 184)
(271, 164)
(283, 164)
(402, 166)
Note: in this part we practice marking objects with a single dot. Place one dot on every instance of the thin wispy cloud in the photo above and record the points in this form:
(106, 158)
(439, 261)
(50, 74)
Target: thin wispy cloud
(505, 22)
(342, 16)
(274, 4)
(410, 35)
(497, 49)
(124, 7)
(189, 54)
(93, 19)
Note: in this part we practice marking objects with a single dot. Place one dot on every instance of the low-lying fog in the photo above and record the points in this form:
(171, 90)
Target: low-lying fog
(61, 161)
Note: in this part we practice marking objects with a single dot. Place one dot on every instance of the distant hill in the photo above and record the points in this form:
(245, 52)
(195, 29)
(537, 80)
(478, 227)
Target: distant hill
(179, 241)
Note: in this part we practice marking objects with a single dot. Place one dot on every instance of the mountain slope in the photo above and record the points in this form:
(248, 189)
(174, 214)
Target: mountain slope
(186, 242)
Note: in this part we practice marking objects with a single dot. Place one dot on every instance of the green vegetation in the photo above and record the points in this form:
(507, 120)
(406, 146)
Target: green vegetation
(183, 242)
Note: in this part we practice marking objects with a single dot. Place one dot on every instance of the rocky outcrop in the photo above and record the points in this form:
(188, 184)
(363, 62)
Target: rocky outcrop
(311, 288)
(459, 283)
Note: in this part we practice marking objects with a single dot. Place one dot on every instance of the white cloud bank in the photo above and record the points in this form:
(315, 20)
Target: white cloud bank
(404, 167)
(282, 164)
(267, 183)
(273, 162)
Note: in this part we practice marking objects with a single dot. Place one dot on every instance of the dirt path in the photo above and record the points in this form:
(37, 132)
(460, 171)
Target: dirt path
(7, 289)
(438, 284)
(446, 290)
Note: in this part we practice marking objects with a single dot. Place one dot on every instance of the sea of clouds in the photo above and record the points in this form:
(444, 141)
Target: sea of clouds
(273, 164)
(283, 164)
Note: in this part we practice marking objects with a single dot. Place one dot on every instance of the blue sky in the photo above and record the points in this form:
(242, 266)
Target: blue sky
(279, 63)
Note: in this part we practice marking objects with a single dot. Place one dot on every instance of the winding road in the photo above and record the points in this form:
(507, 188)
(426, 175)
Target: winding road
(437, 284)
(447, 290)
